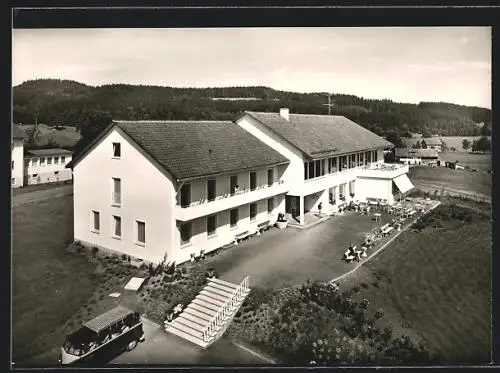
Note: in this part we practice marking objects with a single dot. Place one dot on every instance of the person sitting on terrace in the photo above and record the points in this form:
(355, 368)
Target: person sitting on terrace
(236, 189)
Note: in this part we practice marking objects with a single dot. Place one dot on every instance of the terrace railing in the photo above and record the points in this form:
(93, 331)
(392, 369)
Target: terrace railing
(225, 310)
(241, 191)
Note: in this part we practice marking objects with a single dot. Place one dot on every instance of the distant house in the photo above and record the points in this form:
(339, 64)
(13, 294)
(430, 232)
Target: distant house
(432, 143)
(16, 162)
(416, 156)
(47, 166)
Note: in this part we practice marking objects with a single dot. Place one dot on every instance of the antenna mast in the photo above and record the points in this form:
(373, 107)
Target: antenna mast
(329, 102)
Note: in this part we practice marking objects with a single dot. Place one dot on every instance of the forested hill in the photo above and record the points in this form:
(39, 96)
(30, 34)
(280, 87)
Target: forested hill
(64, 102)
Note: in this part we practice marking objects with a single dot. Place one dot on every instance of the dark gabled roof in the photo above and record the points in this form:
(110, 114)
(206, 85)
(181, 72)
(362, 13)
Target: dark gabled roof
(321, 135)
(18, 132)
(422, 153)
(191, 149)
(108, 318)
(48, 152)
(432, 141)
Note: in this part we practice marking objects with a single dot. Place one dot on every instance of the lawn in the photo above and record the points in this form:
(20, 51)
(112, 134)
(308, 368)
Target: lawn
(477, 161)
(476, 182)
(49, 284)
(67, 137)
(436, 284)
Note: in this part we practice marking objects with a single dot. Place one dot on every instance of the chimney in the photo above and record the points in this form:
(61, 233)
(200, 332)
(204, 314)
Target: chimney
(284, 113)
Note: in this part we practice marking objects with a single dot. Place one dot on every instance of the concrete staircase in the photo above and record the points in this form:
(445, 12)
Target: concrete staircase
(206, 318)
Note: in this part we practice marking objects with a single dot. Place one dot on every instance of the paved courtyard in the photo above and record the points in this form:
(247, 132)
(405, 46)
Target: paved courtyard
(283, 258)
(163, 348)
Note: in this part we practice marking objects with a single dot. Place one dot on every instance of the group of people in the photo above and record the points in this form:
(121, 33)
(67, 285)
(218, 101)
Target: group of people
(353, 254)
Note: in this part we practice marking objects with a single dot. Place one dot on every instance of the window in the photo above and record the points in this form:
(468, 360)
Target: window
(211, 225)
(317, 166)
(343, 163)
(253, 180)
(211, 189)
(116, 150)
(34, 162)
(117, 226)
(233, 184)
(270, 177)
(333, 165)
(12, 165)
(42, 161)
(375, 156)
(96, 223)
(63, 158)
(305, 171)
(49, 160)
(13, 181)
(270, 205)
(117, 186)
(233, 218)
(353, 161)
(186, 195)
(253, 211)
(368, 157)
(56, 160)
(35, 175)
(141, 232)
(351, 187)
(311, 170)
(185, 230)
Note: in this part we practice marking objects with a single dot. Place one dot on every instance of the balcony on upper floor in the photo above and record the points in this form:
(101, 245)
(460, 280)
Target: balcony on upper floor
(384, 170)
(225, 201)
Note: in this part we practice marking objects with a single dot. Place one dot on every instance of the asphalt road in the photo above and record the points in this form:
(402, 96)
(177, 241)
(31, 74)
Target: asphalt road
(41, 195)
(163, 348)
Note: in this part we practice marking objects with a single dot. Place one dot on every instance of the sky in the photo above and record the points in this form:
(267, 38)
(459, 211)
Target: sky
(409, 64)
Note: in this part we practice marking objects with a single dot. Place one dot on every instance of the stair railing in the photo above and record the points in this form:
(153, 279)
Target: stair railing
(226, 309)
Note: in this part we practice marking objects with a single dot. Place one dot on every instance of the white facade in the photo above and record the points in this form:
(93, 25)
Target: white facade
(17, 165)
(148, 194)
(342, 178)
(47, 168)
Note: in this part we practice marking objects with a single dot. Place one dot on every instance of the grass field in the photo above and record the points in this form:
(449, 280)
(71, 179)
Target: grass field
(477, 161)
(436, 285)
(49, 284)
(451, 141)
(67, 137)
(477, 182)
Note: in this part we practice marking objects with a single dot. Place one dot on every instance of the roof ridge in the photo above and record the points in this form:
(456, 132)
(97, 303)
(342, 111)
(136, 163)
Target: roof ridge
(173, 121)
(302, 114)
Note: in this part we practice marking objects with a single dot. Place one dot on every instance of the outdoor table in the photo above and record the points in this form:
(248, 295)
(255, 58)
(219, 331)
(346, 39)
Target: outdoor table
(377, 216)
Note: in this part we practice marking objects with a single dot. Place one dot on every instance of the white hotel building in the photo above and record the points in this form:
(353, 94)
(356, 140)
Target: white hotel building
(16, 162)
(152, 188)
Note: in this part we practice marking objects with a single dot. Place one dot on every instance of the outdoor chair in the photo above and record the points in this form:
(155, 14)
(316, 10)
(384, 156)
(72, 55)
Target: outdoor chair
(363, 251)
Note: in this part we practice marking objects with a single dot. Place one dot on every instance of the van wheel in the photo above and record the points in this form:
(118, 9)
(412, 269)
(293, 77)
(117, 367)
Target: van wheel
(131, 345)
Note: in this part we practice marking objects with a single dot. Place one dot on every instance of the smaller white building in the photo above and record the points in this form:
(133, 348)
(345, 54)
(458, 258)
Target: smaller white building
(16, 162)
(47, 166)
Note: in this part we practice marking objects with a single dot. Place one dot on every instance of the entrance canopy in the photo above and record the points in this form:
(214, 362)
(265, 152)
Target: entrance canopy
(403, 183)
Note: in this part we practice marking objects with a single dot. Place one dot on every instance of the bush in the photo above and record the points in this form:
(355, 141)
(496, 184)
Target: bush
(257, 297)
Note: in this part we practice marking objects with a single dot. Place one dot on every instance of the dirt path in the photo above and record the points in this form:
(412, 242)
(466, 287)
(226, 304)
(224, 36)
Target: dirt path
(41, 195)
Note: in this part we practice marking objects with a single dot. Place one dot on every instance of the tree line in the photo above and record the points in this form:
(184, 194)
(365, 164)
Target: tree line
(69, 103)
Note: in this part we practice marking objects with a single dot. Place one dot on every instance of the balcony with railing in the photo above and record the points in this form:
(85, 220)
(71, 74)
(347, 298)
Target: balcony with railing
(224, 201)
(384, 170)
(326, 181)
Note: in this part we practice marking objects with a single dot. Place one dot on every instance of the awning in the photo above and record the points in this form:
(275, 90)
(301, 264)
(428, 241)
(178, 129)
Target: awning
(403, 183)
